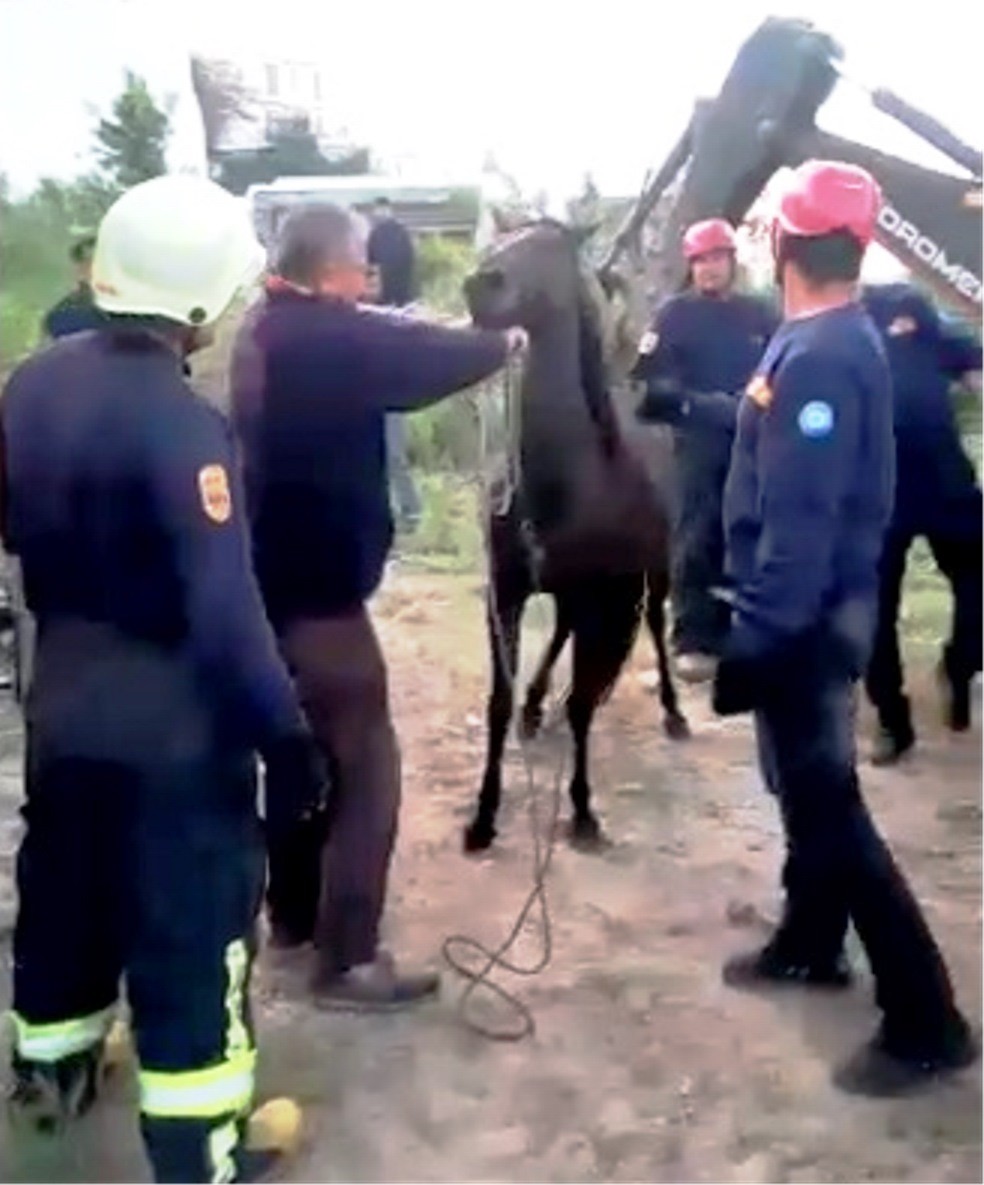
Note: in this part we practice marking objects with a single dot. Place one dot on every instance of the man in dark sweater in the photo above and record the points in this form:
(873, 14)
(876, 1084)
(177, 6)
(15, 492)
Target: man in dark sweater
(314, 375)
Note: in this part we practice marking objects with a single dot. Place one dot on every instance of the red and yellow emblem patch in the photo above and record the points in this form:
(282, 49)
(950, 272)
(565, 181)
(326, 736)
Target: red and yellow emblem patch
(213, 486)
(759, 391)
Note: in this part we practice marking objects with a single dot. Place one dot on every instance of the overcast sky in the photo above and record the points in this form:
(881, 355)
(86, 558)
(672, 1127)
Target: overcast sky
(549, 87)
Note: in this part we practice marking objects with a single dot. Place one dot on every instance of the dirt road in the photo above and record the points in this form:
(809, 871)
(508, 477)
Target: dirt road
(643, 1067)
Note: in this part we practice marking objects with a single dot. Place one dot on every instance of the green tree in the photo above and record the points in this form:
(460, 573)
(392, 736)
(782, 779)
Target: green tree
(36, 232)
(131, 144)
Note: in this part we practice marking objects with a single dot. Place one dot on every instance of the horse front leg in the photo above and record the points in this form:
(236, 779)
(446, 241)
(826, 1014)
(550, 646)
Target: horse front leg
(504, 612)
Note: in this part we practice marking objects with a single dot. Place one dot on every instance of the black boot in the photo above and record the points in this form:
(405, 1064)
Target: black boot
(769, 967)
(889, 1065)
(895, 736)
(892, 744)
(954, 688)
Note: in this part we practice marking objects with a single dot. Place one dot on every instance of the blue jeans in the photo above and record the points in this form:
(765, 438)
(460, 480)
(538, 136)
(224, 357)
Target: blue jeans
(402, 487)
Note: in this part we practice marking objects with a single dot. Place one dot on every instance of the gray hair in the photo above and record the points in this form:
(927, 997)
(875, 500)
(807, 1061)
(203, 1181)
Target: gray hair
(315, 236)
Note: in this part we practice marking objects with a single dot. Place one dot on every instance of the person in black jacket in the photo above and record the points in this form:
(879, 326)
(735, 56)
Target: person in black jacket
(314, 375)
(937, 495)
(77, 311)
(391, 253)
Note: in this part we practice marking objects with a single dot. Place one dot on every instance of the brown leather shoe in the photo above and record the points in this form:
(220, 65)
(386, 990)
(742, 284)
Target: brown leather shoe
(373, 987)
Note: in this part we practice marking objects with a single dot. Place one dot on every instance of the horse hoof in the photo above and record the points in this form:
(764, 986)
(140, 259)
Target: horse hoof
(479, 837)
(531, 721)
(676, 728)
(586, 835)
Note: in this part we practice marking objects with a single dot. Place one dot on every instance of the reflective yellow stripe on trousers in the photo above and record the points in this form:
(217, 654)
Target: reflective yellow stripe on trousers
(52, 1042)
(215, 1090)
(199, 1094)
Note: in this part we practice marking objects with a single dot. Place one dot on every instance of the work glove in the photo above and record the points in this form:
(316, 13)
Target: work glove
(738, 685)
(296, 780)
(755, 670)
(665, 402)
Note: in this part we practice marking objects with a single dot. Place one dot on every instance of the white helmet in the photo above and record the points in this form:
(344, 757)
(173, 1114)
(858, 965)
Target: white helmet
(176, 247)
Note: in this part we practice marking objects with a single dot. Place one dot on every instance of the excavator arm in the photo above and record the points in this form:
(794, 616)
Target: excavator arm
(764, 118)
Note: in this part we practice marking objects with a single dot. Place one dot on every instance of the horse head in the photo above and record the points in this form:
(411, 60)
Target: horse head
(530, 273)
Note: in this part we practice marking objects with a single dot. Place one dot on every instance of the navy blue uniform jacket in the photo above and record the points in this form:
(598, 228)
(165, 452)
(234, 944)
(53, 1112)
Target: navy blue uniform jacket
(936, 487)
(710, 345)
(312, 381)
(809, 491)
(122, 501)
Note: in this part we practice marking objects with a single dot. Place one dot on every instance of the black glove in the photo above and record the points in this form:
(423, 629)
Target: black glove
(738, 685)
(750, 676)
(296, 780)
(665, 402)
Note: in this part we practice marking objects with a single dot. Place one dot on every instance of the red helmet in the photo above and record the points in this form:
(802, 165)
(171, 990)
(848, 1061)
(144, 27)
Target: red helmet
(826, 196)
(713, 234)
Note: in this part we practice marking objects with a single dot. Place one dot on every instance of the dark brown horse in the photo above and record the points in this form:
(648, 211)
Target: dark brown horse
(585, 522)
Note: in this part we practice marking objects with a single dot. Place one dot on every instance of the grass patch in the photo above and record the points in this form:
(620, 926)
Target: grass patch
(449, 538)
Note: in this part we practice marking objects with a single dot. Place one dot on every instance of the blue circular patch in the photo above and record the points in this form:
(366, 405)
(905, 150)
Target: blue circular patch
(816, 419)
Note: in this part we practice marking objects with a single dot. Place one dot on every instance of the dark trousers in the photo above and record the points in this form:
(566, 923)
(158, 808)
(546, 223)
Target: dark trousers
(148, 870)
(959, 558)
(700, 620)
(839, 869)
(341, 680)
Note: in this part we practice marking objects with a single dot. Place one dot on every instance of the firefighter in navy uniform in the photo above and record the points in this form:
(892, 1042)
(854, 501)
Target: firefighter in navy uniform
(696, 359)
(157, 678)
(808, 497)
(937, 496)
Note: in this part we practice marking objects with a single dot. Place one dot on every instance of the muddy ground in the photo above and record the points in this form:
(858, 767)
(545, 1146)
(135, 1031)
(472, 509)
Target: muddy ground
(643, 1067)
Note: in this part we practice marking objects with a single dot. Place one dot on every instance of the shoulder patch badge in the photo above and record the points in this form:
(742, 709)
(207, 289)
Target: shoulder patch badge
(759, 391)
(816, 419)
(648, 342)
(213, 486)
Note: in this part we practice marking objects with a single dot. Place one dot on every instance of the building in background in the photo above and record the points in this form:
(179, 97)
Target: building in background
(283, 95)
(425, 206)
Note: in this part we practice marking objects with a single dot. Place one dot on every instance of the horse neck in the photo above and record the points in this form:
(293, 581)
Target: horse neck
(553, 410)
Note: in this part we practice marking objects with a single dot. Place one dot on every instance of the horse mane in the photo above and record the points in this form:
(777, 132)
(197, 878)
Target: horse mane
(594, 370)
